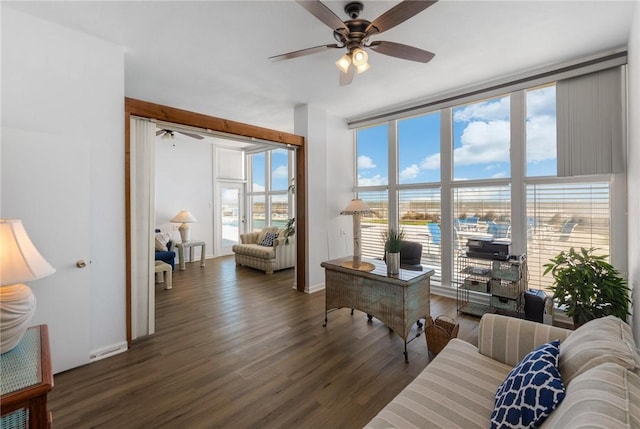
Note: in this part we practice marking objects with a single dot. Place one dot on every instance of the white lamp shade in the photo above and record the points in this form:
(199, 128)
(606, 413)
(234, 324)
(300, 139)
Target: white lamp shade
(20, 261)
(343, 63)
(356, 206)
(359, 57)
(184, 217)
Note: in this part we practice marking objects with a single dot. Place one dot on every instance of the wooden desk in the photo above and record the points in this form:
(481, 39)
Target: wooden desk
(190, 244)
(26, 380)
(397, 300)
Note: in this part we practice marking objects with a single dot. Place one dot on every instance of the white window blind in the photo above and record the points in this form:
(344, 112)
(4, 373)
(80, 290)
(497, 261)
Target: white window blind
(561, 216)
(590, 123)
(373, 225)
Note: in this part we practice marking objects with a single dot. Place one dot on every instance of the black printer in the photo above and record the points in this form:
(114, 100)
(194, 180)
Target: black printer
(497, 249)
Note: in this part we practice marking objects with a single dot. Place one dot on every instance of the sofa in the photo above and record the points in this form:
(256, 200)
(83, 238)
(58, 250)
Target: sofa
(598, 364)
(267, 250)
(164, 248)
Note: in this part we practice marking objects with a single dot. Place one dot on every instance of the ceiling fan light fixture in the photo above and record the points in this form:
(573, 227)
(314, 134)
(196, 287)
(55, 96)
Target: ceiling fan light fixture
(363, 68)
(343, 63)
(359, 57)
(168, 135)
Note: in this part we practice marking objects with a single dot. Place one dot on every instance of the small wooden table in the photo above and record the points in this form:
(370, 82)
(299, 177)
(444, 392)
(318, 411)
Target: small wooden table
(26, 380)
(190, 244)
(397, 300)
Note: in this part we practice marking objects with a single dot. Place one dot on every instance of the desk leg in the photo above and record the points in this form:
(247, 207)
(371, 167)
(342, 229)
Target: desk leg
(202, 252)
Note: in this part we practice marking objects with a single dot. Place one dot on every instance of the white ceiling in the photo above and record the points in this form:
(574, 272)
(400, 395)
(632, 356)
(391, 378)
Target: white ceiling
(212, 57)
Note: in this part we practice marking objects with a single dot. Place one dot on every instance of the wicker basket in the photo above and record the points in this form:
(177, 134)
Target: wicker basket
(438, 332)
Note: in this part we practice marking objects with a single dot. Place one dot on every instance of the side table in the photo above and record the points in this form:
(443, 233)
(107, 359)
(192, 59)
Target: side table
(190, 245)
(26, 380)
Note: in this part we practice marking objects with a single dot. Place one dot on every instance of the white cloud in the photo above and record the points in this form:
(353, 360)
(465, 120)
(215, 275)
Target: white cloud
(499, 175)
(376, 180)
(541, 101)
(364, 162)
(484, 142)
(487, 111)
(541, 138)
(258, 188)
(281, 172)
(411, 172)
(432, 162)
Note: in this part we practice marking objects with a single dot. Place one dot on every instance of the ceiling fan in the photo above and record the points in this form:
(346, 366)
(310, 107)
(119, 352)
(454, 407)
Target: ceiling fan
(354, 34)
(168, 134)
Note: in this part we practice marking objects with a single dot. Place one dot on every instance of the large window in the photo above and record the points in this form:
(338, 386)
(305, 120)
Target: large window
(270, 202)
(419, 149)
(373, 156)
(481, 140)
(502, 183)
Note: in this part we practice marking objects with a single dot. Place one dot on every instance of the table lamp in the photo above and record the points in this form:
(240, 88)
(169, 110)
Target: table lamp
(20, 262)
(356, 208)
(185, 218)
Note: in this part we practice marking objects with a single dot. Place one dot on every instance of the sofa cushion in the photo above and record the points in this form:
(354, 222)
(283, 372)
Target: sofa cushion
(268, 239)
(456, 390)
(254, 250)
(607, 339)
(605, 396)
(531, 391)
(162, 239)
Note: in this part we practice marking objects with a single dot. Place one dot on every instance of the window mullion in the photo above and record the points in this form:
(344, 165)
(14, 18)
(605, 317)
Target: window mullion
(446, 201)
(518, 172)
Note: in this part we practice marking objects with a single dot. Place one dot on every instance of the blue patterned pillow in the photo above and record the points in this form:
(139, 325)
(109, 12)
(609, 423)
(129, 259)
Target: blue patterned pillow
(268, 239)
(531, 391)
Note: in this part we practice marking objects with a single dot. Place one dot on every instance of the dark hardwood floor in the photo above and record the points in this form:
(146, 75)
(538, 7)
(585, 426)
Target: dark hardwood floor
(236, 348)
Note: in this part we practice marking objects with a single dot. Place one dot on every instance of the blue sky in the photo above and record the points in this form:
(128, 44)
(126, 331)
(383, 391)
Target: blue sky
(279, 171)
(481, 139)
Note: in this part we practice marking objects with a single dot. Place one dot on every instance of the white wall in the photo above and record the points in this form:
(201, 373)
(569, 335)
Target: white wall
(67, 85)
(184, 181)
(633, 170)
(330, 167)
(340, 174)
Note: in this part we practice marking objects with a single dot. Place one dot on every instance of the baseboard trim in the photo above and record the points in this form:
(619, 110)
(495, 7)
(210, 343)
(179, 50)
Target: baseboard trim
(108, 351)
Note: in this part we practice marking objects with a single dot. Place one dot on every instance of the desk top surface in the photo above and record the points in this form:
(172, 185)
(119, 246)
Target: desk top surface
(380, 271)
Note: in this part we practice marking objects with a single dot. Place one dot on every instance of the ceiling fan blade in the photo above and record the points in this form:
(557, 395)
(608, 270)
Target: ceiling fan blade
(324, 14)
(397, 15)
(193, 136)
(160, 132)
(347, 78)
(399, 50)
(302, 52)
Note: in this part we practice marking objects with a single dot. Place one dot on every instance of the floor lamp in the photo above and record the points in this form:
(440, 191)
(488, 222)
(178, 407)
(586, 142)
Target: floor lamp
(356, 208)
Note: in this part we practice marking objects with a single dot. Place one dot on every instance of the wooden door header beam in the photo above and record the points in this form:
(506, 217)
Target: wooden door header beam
(145, 109)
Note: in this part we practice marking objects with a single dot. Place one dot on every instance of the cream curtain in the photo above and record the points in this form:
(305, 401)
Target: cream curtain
(590, 111)
(142, 196)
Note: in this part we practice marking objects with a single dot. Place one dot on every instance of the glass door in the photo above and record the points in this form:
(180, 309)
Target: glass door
(232, 215)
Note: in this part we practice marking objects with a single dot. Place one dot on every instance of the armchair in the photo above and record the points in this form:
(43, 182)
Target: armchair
(277, 256)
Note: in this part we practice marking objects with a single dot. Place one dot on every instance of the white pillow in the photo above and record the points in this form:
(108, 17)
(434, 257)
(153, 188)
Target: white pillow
(162, 239)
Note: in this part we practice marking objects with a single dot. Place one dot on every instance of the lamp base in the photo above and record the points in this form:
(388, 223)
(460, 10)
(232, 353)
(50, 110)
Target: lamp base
(185, 232)
(17, 305)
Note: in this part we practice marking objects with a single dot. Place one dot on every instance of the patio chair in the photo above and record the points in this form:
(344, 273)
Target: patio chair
(499, 230)
(566, 230)
(434, 235)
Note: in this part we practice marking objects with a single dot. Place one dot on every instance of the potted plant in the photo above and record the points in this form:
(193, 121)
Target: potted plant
(392, 242)
(588, 286)
(289, 229)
